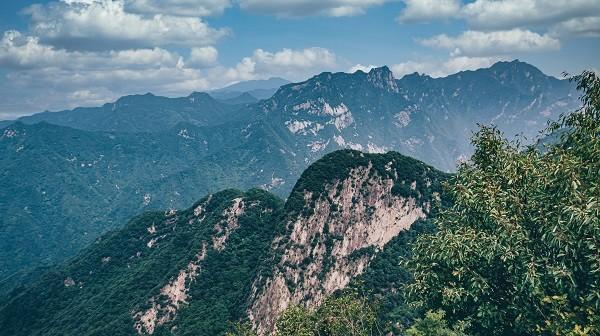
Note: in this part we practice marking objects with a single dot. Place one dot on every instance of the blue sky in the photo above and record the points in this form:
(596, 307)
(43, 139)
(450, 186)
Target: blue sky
(65, 53)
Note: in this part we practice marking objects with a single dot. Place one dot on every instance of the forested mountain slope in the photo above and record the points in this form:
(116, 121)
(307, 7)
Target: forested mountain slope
(227, 257)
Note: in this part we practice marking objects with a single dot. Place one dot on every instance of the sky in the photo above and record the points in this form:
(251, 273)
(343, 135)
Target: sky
(61, 54)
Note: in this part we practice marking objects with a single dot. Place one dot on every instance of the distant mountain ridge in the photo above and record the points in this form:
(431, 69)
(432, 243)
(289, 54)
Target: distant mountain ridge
(260, 89)
(144, 113)
(428, 118)
(69, 176)
(246, 86)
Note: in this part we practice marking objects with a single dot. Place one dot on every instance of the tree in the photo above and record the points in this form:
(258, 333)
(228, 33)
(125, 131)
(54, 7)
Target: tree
(241, 329)
(434, 325)
(296, 321)
(347, 315)
(519, 250)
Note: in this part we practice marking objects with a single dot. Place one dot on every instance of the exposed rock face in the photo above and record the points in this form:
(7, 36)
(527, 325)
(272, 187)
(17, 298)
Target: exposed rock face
(383, 79)
(165, 305)
(172, 295)
(229, 223)
(334, 238)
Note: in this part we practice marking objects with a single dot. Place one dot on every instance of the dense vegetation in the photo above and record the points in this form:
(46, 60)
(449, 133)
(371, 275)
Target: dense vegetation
(346, 315)
(519, 251)
(97, 292)
(101, 288)
(384, 278)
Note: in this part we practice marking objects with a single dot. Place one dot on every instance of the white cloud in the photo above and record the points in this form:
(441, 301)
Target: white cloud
(42, 77)
(462, 63)
(589, 26)
(437, 68)
(203, 56)
(502, 14)
(178, 7)
(296, 8)
(18, 51)
(293, 59)
(363, 68)
(26, 52)
(104, 24)
(287, 63)
(426, 10)
(476, 43)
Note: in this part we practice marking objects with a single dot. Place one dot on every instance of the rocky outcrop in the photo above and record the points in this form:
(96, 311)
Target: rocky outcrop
(334, 237)
(165, 305)
(229, 223)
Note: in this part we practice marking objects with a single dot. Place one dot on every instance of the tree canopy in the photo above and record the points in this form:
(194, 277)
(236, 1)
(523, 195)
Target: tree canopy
(519, 250)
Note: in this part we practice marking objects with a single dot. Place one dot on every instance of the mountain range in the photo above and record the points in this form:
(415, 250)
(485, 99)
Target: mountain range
(70, 176)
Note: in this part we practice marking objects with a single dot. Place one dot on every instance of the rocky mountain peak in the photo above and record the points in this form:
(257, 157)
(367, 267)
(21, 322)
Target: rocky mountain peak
(345, 208)
(201, 98)
(517, 71)
(383, 78)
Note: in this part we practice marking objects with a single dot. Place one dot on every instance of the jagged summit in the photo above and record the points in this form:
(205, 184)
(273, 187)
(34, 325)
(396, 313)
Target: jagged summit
(414, 75)
(502, 70)
(200, 94)
(517, 73)
(383, 70)
(335, 83)
(383, 78)
(515, 65)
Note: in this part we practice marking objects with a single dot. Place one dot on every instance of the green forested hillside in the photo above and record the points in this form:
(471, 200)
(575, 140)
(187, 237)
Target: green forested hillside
(62, 187)
(515, 253)
(146, 113)
(105, 288)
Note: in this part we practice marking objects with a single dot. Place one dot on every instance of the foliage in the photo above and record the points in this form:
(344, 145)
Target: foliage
(434, 325)
(296, 321)
(347, 315)
(519, 251)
